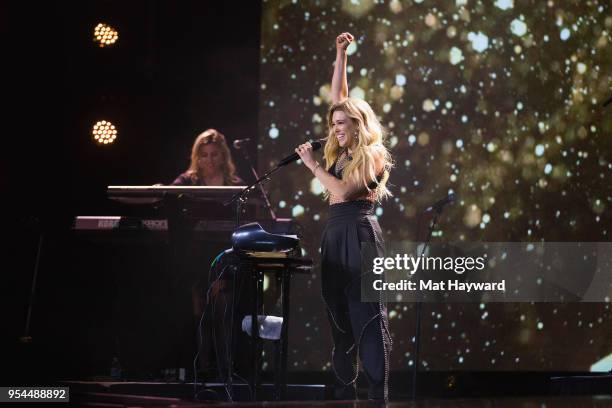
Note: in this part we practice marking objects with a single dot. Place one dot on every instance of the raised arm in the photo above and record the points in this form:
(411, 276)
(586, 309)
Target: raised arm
(339, 86)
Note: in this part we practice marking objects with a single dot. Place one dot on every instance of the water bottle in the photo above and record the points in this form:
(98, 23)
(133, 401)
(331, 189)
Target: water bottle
(269, 326)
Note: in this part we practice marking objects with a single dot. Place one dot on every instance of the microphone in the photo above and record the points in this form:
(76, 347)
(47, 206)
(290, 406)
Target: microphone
(438, 205)
(316, 145)
(239, 143)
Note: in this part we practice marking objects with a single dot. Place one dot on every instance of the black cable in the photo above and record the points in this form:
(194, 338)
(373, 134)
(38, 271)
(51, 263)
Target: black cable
(231, 336)
(214, 337)
(202, 317)
(212, 305)
(245, 383)
(228, 344)
(231, 373)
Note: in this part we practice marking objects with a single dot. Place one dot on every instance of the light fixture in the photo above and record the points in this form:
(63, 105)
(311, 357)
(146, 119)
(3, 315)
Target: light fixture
(105, 35)
(104, 132)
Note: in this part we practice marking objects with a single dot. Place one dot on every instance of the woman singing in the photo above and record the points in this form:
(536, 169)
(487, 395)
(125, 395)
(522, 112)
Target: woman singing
(355, 175)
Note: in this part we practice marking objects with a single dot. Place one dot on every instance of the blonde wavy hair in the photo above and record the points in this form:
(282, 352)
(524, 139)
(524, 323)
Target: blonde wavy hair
(215, 137)
(361, 170)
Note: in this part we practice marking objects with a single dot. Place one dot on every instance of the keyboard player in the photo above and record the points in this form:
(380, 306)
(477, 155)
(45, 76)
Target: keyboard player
(211, 164)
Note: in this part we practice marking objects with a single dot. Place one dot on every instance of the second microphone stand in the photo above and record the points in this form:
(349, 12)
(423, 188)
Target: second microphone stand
(245, 153)
(436, 210)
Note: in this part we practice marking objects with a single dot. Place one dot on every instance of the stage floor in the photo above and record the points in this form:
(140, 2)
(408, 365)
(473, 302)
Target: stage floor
(155, 394)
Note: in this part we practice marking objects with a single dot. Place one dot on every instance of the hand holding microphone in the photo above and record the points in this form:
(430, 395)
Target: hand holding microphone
(305, 152)
(310, 146)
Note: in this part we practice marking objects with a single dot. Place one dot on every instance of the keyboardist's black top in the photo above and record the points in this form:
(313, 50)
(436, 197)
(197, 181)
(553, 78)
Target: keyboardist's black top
(185, 180)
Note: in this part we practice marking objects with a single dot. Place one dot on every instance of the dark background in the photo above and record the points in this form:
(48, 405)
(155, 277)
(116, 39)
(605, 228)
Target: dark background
(177, 69)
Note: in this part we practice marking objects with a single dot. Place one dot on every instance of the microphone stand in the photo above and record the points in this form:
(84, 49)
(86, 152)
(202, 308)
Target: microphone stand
(241, 197)
(261, 189)
(437, 210)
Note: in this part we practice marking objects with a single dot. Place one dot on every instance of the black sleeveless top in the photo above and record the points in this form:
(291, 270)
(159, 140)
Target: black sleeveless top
(338, 173)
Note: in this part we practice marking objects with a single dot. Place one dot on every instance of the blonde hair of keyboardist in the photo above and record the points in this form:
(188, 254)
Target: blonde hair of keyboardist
(215, 137)
(369, 145)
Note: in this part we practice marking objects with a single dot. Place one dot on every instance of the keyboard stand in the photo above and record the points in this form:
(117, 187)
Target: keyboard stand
(283, 269)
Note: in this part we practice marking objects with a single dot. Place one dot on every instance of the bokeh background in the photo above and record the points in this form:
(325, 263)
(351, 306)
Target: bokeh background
(497, 101)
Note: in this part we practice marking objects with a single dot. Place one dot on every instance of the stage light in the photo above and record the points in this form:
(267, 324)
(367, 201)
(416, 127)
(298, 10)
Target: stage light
(105, 35)
(104, 132)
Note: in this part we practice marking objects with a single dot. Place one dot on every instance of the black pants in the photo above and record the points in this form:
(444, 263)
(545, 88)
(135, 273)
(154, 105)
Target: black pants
(358, 328)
